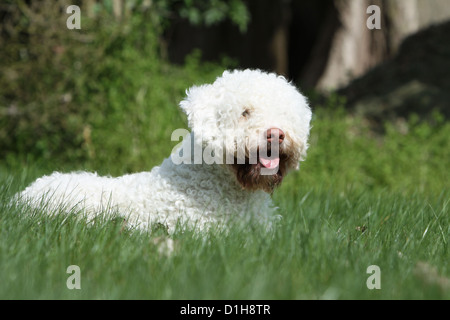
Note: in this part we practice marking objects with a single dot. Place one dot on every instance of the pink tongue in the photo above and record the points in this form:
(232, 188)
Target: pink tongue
(269, 163)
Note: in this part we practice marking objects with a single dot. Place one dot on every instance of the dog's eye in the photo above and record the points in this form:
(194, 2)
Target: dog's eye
(246, 113)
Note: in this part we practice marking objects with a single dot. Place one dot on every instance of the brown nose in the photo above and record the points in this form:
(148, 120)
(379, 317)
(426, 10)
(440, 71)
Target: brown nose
(275, 133)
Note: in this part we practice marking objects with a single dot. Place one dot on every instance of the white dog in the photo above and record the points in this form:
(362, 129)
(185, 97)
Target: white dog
(249, 128)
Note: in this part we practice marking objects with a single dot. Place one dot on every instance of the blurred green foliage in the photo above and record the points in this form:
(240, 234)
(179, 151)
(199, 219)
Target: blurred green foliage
(100, 94)
(214, 11)
(346, 155)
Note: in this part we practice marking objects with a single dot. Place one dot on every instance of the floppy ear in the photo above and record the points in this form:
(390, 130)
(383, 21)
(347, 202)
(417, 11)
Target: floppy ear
(202, 108)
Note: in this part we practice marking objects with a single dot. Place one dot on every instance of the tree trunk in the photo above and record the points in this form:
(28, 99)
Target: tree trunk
(351, 48)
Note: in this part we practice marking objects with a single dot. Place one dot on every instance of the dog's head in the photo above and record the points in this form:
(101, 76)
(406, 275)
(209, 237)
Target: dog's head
(256, 122)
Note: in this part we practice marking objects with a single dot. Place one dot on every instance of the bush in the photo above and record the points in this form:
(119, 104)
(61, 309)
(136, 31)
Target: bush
(64, 92)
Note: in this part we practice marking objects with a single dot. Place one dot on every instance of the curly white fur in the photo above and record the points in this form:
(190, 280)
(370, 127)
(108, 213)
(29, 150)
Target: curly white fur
(239, 106)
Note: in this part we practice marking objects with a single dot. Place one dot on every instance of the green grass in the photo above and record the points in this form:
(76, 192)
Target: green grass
(358, 200)
(321, 249)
